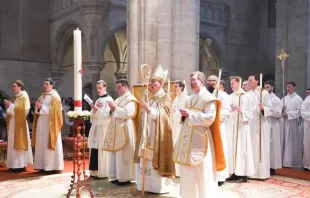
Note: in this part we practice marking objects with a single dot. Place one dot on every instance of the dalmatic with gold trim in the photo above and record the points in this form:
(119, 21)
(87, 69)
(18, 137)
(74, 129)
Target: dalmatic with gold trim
(199, 148)
(19, 153)
(120, 139)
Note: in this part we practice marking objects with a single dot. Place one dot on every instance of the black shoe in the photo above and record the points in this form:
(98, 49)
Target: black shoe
(241, 180)
(305, 169)
(114, 181)
(232, 177)
(272, 172)
(18, 170)
(220, 183)
(123, 183)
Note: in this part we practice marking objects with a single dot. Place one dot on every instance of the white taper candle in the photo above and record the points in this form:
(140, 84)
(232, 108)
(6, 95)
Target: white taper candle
(77, 36)
(261, 80)
(240, 85)
(219, 79)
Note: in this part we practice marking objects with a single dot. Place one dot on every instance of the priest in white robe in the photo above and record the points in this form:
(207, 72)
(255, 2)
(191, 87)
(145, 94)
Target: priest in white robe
(292, 135)
(273, 116)
(223, 87)
(305, 113)
(212, 84)
(260, 128)
(199, 149)
(178, 103)
(120, 137)
(240, 155)
(156, 167)
(100, 119)
(46, 130)
(19, 152)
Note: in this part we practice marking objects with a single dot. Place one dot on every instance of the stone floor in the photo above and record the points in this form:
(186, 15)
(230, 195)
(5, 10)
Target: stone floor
(56, 186)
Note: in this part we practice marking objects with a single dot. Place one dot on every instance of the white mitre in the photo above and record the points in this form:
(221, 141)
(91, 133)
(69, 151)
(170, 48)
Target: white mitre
(160, 74)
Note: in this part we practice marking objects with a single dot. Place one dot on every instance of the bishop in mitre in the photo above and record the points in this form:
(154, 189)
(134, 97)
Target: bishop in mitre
(260, 128)
(156, 145)
(199, 149)
(178, 103)
(46, 130)
(212, 83)
(120, 137)
(273, 115)
(19, 153)
(240, 156)
(305, 113)
(100, 119)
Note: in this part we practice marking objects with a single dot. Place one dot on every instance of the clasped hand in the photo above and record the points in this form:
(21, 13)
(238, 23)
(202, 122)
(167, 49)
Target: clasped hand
(38, 105)
(184, 112)
(112, 105)
(235, 108)
(146, 107)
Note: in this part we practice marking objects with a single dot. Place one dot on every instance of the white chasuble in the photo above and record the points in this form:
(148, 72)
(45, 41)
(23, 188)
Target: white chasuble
(120, 139)
(260, 133)
(240, 155)
(225, 111)
(45, 158)
(154, 182)
(178, 103)
(273, 116)
(17, 158)
(194, 150)
(305, 113)
(292, 135)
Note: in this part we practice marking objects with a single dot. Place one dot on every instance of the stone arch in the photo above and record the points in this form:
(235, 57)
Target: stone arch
(209, 55)
(111, 33)
(63, 34)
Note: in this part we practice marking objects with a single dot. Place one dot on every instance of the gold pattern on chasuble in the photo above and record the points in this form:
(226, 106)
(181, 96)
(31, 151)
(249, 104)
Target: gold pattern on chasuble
(117, 125)
(186, 153)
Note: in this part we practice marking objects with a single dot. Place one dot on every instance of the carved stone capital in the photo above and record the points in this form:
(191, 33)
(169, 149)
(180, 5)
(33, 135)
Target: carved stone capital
(121, 74)
(57, 74)
(94, 66)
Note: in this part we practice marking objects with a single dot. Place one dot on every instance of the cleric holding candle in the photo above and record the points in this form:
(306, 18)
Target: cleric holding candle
(19, 148)
(46, 130)
(100, 118)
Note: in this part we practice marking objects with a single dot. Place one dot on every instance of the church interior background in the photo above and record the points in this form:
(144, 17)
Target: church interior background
(238, 36)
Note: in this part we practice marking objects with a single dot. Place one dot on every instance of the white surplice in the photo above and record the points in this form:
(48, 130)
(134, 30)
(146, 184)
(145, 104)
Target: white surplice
(292, 135)
(17, 158)
(260, 133)
(100, 120)
(240, 155)
(46, 159)
(198, 177)
(153, 181)
(305, 113)
(178, 103)
(121, 165)
(225, 112)
(273, 115)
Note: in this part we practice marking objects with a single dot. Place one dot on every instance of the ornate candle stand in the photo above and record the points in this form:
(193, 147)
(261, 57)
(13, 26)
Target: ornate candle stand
(79, 147)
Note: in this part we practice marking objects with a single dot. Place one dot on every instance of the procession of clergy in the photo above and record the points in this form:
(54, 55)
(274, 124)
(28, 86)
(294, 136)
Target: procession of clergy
(206, 138)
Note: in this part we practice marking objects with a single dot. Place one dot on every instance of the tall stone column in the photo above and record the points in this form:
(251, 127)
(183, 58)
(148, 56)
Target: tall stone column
(163, 32)
(292, 35)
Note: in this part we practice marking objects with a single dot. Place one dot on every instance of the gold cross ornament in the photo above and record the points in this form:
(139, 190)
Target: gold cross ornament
(283, 56)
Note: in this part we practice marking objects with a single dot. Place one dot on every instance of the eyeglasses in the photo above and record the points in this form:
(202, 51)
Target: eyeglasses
(118, 87)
